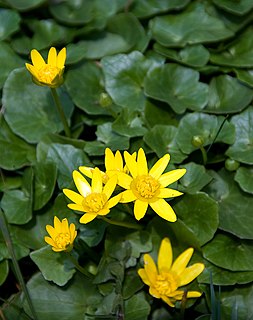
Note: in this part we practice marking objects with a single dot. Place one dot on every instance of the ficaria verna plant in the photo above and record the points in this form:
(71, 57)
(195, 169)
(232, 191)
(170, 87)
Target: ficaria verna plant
(126, 134)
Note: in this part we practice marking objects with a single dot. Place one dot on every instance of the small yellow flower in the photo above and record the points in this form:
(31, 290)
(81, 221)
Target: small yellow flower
(62, 235)
(113, 165)
(47, 74)
(165, 279)
(148, 187)
(93, 199)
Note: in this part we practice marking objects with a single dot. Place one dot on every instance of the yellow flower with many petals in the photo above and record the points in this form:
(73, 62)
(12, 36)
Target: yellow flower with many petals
(113, 165)
(148, 187)
(47, 74)
(165, 278)
(62, 235)
(92, 199)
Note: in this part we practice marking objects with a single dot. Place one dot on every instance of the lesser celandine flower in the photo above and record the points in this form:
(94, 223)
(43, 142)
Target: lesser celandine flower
(148, 187)
(62, 235)
(47, 74)
(113, 165)
(95, 199)
(165, 278)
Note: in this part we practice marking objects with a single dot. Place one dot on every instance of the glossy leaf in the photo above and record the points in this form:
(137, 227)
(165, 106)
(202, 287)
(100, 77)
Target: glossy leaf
(239, 8)
(137, 308)
(244, 176)
(4, 269)
(178, 86)
(24, 5)
(9, 23)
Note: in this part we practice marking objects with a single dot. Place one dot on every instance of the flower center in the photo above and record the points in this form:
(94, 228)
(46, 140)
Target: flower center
(95, 202)
(166, 283)
(48, 73)
(145, 186)
(62, 240)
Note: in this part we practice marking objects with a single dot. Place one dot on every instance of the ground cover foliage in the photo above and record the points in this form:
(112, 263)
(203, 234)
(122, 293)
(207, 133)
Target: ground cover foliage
(167, 76)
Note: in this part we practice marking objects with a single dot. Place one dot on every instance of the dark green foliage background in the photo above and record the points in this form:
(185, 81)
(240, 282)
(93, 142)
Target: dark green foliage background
(151, 74)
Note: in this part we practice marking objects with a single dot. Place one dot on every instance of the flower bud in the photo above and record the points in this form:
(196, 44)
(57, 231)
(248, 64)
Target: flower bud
(231, 164)
(105, 100)
(197, 141)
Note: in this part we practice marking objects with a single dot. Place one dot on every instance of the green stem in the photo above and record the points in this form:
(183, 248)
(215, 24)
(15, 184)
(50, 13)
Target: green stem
(61, 112)
(77, 265)
(7, 238)
(218, 132)
(121, 223)
(204, 155)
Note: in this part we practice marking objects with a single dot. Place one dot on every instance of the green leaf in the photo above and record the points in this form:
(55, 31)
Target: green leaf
(53, 302)
(195, 178)
(4, 270)
(137, 308)
(132, 283)
(230, 253)
(84, 85)
(178, 86)
(15, 152)
(56, 152)
(205, 126)
(234, 205)
(9, 24)
(199, 213)
(25, 5)
(193, 56)
(242, 149)
(228, 95)
(93, 233)
(244, 176)
(245, 76)
(238, 54)
(44, 183)
(161, 140)
(54, 266)
(11, 61)
(241, 7)
(106, 137)
(17, 204)
(129, 123)
(30, 110)
(144, 9)
(124, 76)
(194, 25)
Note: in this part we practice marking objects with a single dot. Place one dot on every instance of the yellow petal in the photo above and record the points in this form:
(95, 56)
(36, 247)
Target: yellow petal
(61, 58)
(164, 210)
(37, 59)
(50, 241)
(118, 161)
(131, 164)
(193, 294)
(153, 292)
(171, 176)
(140, 208)
(110, 186)
(109, 160)
(150, 268)
(57, 224)
(32, 70)
(51, 231)
(181, 262)
(102, 212)
(73, 232)
(76, 207)
(81, 183)
(124, 180)
(168, 301)
(127, 196)
(113, 201)
(73, 196)
(165, 256)
(52, 57)
(159, 166)
(142, 165)
(88, 217)
(143, 275)
(57, 249)
(96, 182)
(87, 171)
(169, 193)
(191, 273)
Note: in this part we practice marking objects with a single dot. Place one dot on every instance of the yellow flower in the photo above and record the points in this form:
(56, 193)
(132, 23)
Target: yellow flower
(113, 165)
(148, 187)
(62, 235)
(47, 74)
(93, 199)
(165, 279)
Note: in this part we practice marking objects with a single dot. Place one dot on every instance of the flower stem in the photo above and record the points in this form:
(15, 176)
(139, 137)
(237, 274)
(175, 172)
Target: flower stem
(77, 265)
(61, 112)
(9, 245)
(204, 154)
(121, 223)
